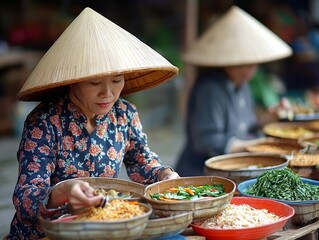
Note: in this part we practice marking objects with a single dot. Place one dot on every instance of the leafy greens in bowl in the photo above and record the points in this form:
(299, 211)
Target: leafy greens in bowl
(287, 187)
(283, 185)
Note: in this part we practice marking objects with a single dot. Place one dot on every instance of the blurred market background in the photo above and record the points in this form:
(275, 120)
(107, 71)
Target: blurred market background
(29, 27)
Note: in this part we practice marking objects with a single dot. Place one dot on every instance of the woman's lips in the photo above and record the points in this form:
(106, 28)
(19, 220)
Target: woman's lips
(104, 105)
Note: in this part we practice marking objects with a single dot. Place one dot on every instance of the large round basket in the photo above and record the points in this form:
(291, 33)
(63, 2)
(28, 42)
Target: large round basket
(275, 146)
(301, 161)
(68, 229)
(291, 130)
(242, 166)
(205, 207)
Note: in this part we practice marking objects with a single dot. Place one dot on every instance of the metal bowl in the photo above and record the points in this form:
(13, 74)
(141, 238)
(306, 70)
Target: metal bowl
(242, 166)
(205, 207)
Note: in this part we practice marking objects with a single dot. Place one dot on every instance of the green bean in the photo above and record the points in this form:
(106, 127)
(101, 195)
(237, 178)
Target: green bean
(283, 184)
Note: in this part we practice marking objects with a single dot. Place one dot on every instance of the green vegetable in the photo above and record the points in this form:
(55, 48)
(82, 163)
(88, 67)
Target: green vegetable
(283, 184)
(190, 192)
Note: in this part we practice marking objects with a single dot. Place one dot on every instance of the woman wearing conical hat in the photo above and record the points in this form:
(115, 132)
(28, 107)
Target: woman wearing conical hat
(220, 114)
(83, 127)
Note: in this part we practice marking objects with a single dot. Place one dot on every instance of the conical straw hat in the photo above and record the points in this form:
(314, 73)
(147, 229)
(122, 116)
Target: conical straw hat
(92, 47)
(236, 39)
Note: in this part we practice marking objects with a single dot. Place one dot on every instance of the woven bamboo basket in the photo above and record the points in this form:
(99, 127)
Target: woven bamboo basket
(275, 146)
(162, 227)
(66, 228)
(200, 208)
(305, 213)
(302, 163)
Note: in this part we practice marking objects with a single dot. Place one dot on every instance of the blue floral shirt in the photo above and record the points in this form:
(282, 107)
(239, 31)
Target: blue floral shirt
(56, 146)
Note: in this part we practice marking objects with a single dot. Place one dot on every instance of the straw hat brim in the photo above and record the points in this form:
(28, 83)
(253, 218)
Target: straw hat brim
(135, 81)
(235, 39)
(94, 47)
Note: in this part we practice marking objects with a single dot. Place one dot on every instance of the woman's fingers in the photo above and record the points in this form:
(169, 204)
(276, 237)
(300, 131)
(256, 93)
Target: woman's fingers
(87, 202)
(87, 189)
(82, 195)
(168, 174)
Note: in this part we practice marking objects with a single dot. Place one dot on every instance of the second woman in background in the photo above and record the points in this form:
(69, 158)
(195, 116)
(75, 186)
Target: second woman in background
(220, 113)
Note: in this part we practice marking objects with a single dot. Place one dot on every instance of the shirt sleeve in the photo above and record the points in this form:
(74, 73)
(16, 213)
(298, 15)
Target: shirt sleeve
(36, 161)
(142, 164)
(207, 121)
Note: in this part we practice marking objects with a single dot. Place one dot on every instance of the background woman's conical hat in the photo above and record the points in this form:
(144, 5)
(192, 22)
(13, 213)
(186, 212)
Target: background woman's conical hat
(91, 47)
(236, 39)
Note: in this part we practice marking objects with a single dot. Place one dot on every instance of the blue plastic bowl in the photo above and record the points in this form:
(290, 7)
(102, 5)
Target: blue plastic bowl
(243, 186)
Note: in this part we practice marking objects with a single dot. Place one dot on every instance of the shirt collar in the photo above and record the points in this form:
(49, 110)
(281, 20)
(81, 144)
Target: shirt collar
(232, 87)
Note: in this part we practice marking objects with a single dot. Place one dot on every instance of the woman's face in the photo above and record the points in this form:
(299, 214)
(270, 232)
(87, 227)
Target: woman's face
(98, 96)
(240, 74)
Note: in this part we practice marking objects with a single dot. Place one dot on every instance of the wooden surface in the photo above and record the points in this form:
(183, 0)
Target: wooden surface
(309, 231)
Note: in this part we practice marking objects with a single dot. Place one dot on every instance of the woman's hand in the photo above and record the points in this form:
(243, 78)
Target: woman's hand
(81, 195)
(168, 174)
(283, 110)
(77, 193)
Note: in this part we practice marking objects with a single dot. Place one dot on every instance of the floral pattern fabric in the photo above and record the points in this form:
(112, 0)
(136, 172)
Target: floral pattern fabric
(56, 146)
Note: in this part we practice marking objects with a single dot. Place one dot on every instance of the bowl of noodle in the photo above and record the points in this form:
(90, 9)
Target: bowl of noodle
(245, 218)
(119, 219)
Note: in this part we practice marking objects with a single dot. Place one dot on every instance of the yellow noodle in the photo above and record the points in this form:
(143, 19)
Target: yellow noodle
(115, 210)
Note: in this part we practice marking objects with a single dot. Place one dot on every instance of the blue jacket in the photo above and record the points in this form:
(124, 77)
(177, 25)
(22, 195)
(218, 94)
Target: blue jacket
(217, 113)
